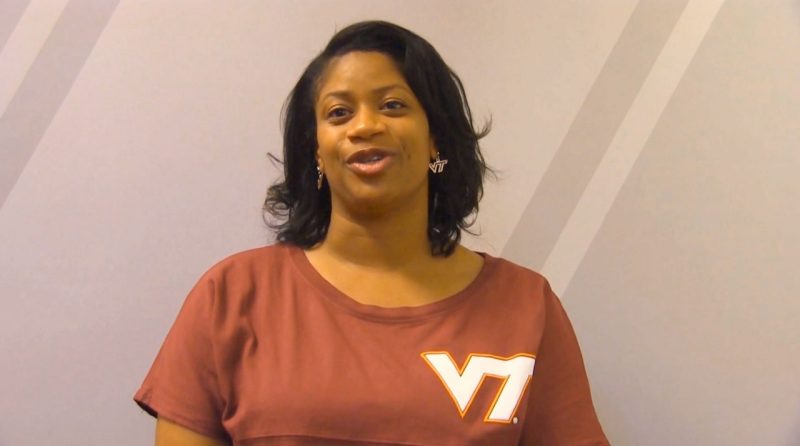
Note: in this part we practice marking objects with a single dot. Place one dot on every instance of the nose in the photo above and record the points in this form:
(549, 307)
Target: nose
(366, 124)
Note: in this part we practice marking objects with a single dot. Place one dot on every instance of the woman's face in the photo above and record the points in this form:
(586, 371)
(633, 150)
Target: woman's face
(374, 144)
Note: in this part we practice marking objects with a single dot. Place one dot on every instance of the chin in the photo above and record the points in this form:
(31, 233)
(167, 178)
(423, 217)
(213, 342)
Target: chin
(376, 203)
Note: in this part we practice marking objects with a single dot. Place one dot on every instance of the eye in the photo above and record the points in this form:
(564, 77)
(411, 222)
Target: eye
(337, 113)
(393, 104)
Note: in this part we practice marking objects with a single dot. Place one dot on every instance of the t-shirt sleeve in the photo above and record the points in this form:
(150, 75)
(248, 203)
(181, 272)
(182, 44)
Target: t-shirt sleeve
(182, 384)
(560, 410)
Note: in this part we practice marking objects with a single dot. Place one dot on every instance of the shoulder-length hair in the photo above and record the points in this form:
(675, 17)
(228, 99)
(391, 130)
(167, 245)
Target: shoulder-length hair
(300, 213)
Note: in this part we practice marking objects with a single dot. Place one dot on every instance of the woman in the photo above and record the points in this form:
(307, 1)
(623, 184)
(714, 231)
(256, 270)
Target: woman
(368, 323)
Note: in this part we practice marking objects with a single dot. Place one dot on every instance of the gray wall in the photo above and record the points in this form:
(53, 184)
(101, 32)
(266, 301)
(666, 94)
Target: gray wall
(649, 167)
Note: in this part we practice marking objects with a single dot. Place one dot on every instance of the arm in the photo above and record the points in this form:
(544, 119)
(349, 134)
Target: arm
(171, 434)
(560, 410)
(182, 388)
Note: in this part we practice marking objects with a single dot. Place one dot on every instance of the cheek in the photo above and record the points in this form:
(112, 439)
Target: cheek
(326, 145)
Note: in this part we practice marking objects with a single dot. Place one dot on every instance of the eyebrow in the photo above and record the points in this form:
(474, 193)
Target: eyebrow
(377, 91)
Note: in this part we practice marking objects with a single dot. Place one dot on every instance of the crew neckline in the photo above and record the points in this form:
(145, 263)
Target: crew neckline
(388, 314)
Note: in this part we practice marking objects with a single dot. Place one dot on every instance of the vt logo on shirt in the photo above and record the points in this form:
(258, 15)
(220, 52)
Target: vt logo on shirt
(462, 383)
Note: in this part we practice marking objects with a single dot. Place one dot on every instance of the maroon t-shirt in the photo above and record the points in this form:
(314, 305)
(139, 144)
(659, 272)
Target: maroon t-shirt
(265, 351)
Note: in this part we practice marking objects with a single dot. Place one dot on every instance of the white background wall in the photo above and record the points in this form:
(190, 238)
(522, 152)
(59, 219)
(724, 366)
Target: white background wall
(648, 155)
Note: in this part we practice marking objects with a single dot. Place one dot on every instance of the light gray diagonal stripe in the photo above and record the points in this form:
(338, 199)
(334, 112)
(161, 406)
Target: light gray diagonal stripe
(629, 141)
(10, 13)
(46, 85)
(592, 131)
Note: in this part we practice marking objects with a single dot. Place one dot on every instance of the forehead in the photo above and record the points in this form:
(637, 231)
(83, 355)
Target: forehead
(360, 70)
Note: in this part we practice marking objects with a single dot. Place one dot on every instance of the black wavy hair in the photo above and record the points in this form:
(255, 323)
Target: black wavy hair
(300, 213)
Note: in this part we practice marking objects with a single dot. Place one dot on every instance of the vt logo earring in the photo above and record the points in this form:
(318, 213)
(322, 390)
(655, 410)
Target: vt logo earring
(438, 165)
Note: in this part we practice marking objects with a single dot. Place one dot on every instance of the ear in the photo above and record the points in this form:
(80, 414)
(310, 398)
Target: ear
(434, 151)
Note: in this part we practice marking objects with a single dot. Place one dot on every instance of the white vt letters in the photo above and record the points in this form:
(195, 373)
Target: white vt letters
(463, 384)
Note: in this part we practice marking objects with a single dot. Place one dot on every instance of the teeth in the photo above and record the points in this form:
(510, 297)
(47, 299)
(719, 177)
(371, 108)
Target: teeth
(372, 159)
(367, 157)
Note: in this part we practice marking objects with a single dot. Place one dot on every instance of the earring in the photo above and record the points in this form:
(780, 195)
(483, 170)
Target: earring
(320, 175)
(438, 165)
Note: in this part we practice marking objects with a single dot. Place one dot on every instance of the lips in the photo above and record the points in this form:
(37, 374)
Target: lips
(369, 161)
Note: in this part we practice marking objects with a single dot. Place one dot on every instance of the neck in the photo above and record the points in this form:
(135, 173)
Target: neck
(389, 241)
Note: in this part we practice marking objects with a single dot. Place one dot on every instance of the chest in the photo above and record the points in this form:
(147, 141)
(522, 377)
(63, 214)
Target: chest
(321, 374)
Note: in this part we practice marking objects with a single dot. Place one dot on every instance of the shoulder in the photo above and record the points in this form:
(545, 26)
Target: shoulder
(514, 292)
(514, 275)
(244, 276)
(253, 262)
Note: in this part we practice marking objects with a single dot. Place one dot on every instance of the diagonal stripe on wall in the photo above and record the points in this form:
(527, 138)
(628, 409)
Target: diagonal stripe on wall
(24, 44)
(10, 12)
(629, 141)
(593, 129)
(46, 85)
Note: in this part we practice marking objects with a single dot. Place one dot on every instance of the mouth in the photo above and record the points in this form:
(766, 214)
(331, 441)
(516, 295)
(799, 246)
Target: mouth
(367, 156)
(370, 161)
